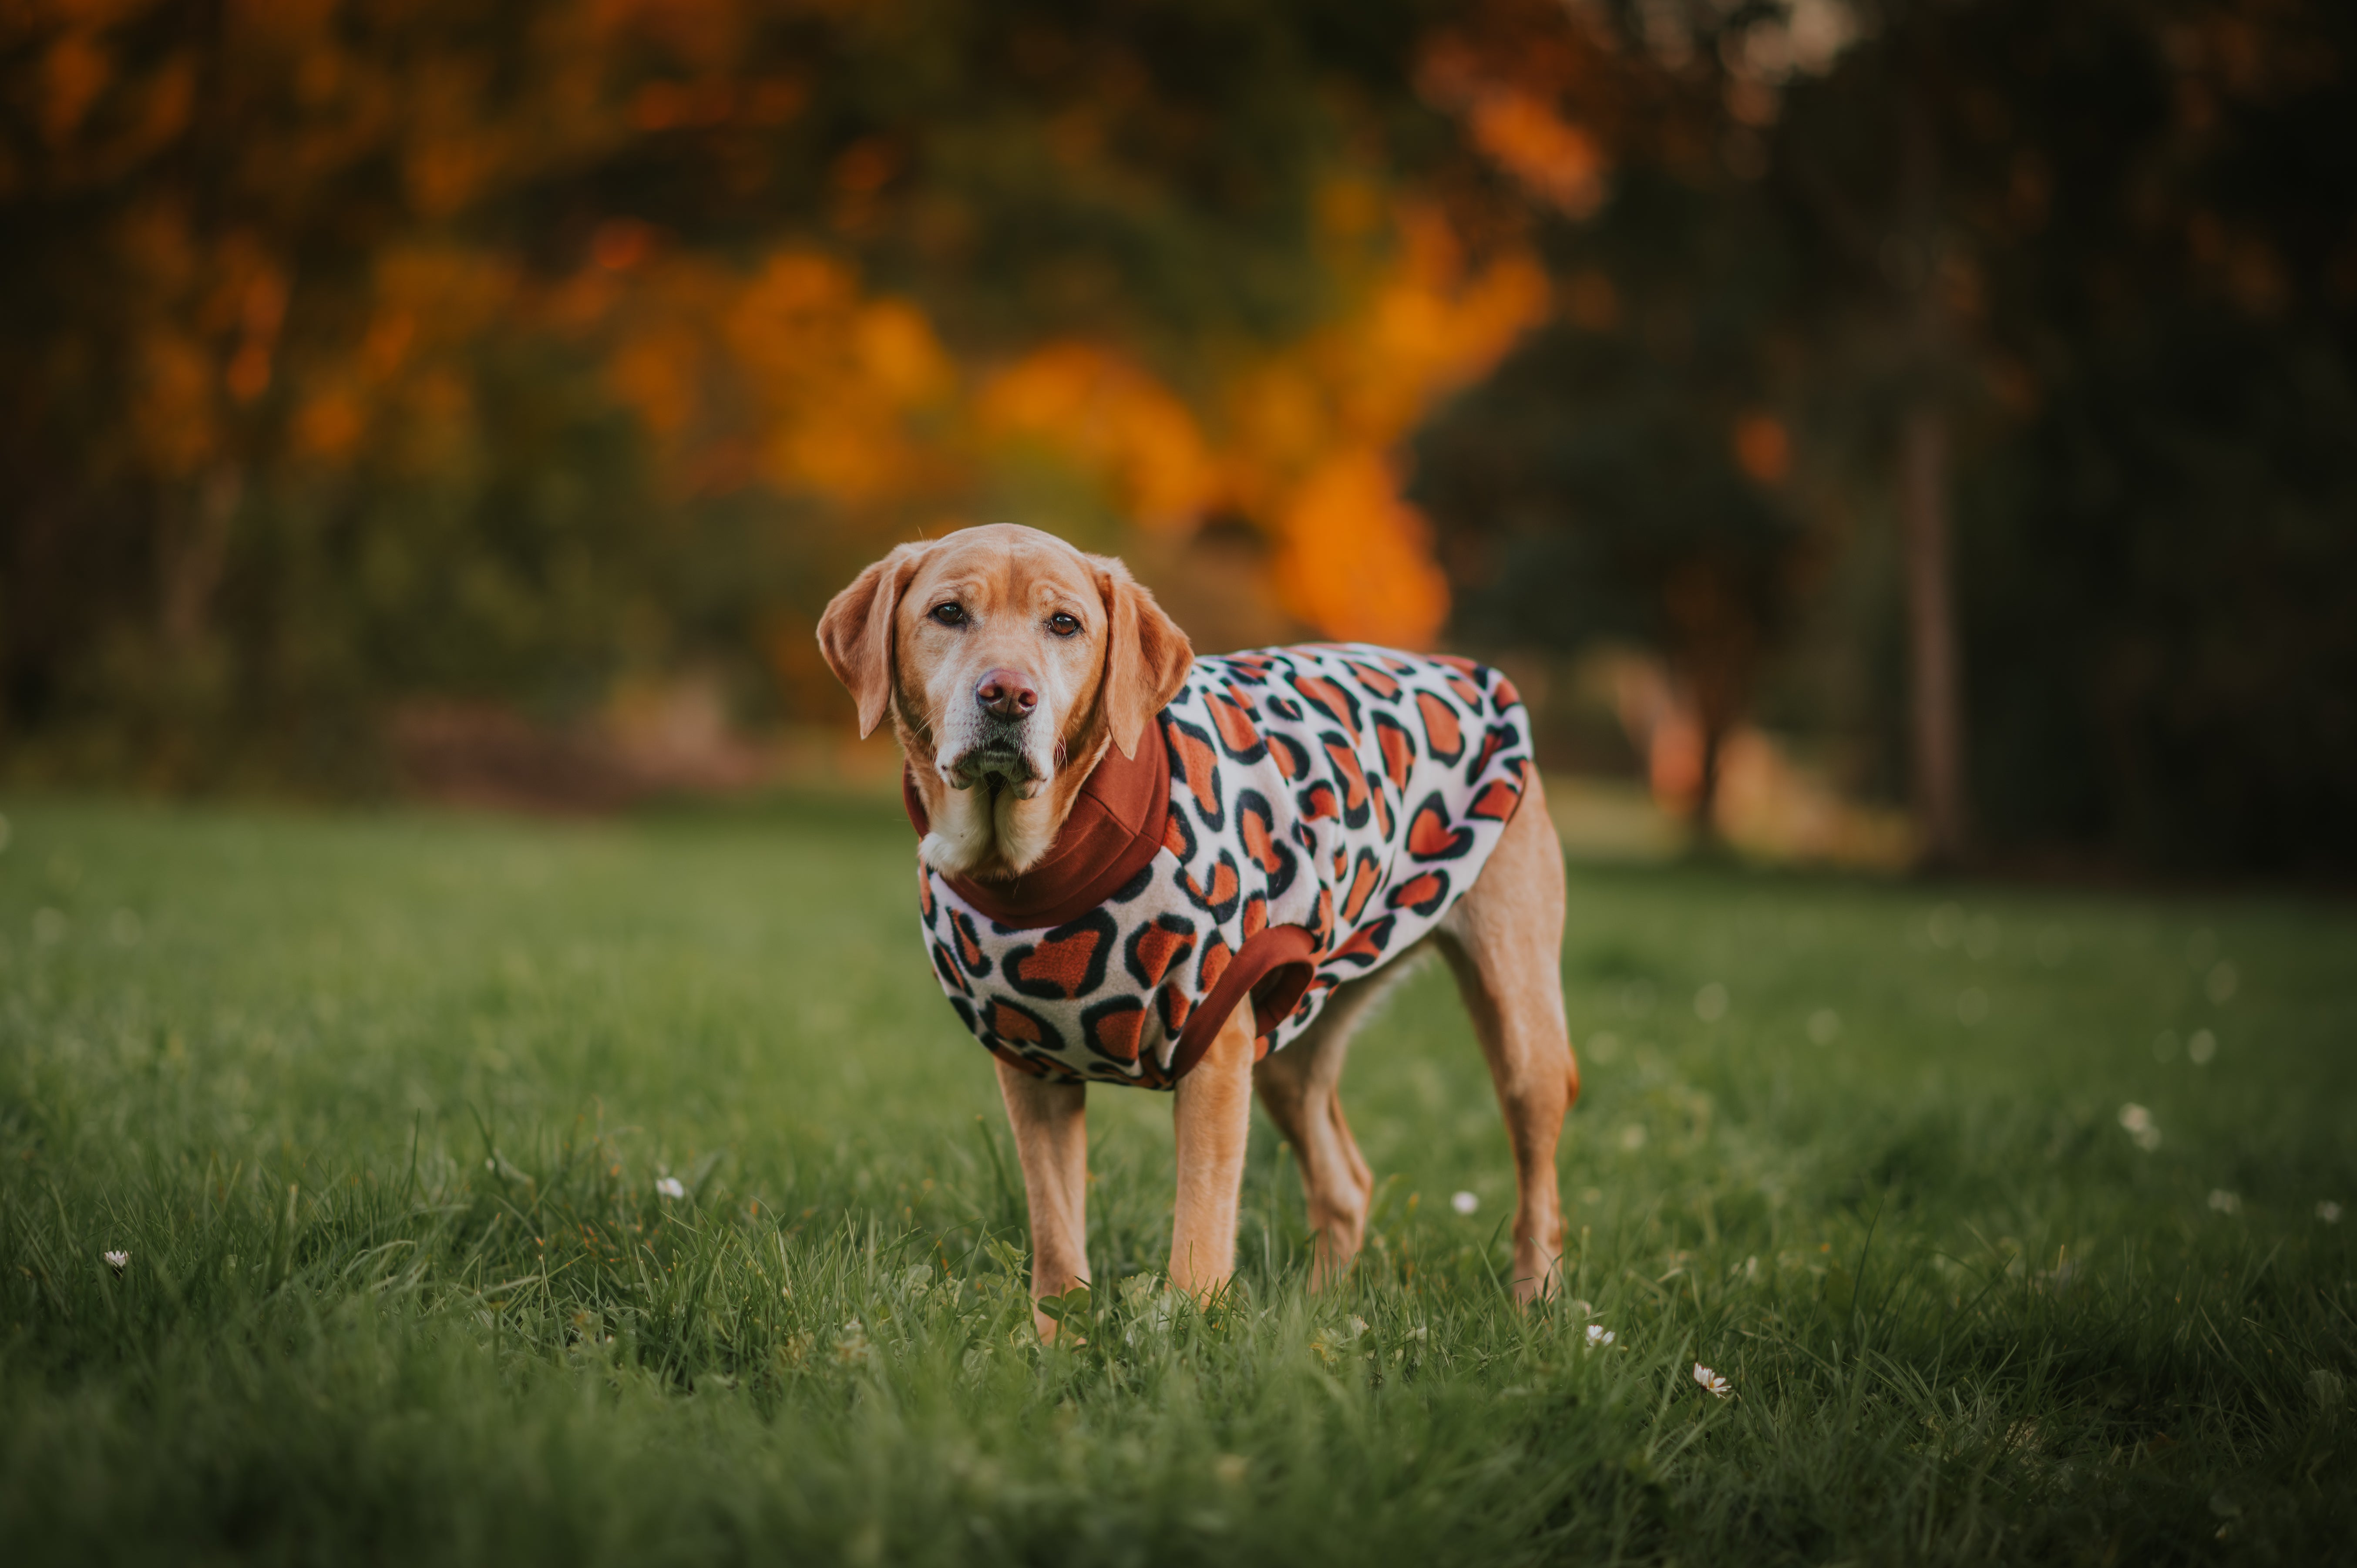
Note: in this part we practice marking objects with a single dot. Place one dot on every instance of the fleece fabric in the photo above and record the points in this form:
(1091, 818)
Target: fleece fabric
(1297, 818)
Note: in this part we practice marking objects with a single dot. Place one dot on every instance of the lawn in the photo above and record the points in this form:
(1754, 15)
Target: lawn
(384, 1110)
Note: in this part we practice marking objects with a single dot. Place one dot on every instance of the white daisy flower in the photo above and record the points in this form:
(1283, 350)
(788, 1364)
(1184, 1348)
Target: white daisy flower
(1599, 1334)
(2328, 1211)
(118, 1262)
(2138, 1124)
(1465, 1203)
(672, 1187)
(1711, 1382)
(2226, 1202)
(852, 1344)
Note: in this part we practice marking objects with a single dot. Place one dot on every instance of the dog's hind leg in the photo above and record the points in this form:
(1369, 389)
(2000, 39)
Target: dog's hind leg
(1301, 1088)
(1504, 941)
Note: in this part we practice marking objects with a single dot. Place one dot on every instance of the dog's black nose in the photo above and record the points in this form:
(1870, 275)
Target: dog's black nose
(1007, 693)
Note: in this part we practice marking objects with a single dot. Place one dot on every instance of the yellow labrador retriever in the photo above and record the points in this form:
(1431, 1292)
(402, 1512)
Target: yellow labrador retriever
(1141, 867)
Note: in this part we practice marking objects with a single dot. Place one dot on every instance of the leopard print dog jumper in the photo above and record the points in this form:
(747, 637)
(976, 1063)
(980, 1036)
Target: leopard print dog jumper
(1299, 817)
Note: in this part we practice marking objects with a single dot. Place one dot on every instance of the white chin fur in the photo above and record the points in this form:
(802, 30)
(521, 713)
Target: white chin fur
(941, 854)
(974, 824)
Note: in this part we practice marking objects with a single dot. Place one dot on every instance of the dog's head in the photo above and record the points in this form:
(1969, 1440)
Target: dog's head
(1008, 661)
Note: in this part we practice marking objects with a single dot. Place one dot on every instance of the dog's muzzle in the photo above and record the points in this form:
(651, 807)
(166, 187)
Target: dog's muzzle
(999, 759)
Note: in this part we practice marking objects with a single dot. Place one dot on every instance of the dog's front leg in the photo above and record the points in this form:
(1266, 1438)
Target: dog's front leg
(1212, 1119)
(1051, 1140)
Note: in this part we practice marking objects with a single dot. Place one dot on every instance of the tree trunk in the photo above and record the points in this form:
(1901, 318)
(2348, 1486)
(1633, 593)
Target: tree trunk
(1936, 726)
(1936, 719)
(1707, 834)
(1718, 647)
(194, 548)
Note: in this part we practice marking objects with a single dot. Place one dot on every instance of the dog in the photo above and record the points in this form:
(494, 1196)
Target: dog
(1138, 866)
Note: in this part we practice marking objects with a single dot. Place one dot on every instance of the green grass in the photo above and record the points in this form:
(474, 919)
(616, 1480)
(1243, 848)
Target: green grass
(378, 1105)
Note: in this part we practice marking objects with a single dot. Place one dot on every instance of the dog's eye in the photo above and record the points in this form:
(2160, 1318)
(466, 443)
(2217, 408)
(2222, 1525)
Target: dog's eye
(1063, 624)
(950, 615)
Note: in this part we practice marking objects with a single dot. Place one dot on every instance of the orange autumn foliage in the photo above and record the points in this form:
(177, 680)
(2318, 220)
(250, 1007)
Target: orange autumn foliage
(1319, 423)
(373, 282)
(1510, 109)
(1300, 438)
(793, 377)
(1108, 414)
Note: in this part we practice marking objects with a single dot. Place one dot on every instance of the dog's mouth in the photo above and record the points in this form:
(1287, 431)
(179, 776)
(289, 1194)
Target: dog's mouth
(1000, 764)
(993, 767)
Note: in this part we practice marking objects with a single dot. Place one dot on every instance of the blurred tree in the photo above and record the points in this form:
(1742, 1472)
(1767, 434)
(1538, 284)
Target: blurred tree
(1584, 496)
(353, 348)
(1624, 475)
(2079, 276)
(203, 203)
(2162, 540)
(2096, 240)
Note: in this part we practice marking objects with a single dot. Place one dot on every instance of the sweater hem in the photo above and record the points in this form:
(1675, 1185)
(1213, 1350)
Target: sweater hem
(1273, 968)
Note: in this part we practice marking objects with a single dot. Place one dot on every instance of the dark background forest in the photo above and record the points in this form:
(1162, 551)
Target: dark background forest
(1947, 405)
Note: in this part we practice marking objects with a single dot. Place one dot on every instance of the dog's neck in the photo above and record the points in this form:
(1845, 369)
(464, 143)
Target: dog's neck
(986, 831)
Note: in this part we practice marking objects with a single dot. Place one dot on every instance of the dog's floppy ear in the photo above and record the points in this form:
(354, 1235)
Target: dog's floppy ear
(1146, 656)
(855, 633)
